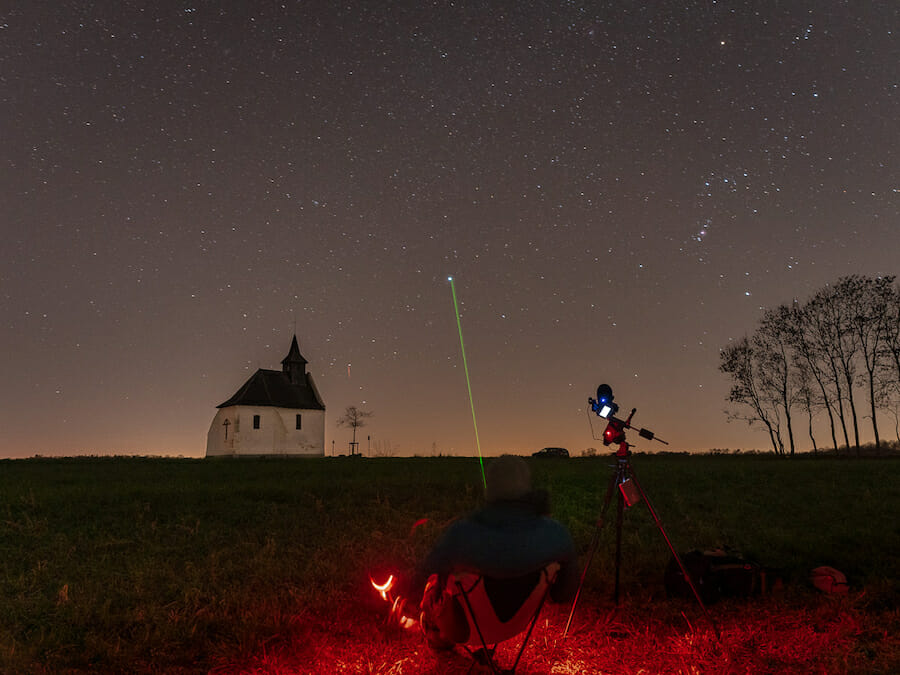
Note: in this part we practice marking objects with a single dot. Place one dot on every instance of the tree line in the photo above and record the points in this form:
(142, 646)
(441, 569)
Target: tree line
(837, 355)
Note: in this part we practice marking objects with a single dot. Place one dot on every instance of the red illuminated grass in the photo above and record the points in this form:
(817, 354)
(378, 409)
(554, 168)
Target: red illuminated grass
(800, 635)
(183, 566)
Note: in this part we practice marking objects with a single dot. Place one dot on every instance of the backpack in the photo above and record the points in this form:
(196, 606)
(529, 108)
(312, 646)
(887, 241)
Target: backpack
(716, 574)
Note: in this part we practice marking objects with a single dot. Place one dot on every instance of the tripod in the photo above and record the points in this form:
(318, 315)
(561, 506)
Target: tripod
(628, 490)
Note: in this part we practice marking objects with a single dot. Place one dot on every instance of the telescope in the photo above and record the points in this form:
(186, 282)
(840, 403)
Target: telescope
(604, 406)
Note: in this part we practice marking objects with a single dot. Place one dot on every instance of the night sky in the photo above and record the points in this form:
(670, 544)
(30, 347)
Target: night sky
(617, 189)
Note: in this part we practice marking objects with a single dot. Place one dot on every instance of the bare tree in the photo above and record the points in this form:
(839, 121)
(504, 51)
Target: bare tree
(385, 449)
(825, 334)
(890, 365)
(810, 399)
(771, 345)
(821, 356)
(740, 362)
(809, 363)
(867, 301)
(354, 418)
(847, 346)
(891, 406)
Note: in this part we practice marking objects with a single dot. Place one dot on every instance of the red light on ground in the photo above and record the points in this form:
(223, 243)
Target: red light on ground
(399, 609)
(383, 589)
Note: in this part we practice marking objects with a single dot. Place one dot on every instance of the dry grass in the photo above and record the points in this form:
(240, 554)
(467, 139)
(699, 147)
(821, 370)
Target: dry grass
(806, 634)
(182, 567)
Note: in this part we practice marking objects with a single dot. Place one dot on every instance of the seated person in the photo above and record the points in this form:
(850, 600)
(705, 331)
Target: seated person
(509, 541)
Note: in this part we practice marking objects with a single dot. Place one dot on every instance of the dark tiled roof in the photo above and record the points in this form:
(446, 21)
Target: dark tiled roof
(274, 388)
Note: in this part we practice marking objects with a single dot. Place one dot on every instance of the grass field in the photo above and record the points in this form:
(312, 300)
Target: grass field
(132, 565)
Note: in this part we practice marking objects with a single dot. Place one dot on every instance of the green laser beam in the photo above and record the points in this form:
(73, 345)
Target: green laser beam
(462, 347)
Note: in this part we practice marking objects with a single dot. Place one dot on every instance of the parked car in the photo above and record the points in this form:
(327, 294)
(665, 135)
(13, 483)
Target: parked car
(551, 452)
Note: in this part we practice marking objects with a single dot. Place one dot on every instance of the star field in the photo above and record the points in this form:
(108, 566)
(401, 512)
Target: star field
(617, 190)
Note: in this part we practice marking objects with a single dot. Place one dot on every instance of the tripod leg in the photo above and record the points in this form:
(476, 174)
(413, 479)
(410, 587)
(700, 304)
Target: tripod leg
(620, 510)
(677, 557)
(595, 541)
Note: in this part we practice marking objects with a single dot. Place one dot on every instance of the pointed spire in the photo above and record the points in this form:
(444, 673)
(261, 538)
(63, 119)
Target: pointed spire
(294, 365)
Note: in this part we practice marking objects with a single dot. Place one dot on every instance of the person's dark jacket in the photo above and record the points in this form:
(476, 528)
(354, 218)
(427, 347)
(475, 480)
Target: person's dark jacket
(505, 540)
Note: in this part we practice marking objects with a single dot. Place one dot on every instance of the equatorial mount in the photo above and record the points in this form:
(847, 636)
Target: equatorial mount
(614, 434)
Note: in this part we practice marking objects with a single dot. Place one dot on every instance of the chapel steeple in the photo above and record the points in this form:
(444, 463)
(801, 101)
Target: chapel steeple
(294, 365)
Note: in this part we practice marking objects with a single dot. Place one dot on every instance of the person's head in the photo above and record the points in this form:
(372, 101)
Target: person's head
(508, 479)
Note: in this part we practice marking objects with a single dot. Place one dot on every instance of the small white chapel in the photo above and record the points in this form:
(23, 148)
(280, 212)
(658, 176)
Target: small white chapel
(275, 412)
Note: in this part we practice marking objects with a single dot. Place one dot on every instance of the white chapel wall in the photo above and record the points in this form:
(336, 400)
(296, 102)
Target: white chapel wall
(277, 433)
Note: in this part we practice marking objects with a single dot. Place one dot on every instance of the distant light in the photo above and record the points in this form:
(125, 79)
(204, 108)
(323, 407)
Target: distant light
(449, 278)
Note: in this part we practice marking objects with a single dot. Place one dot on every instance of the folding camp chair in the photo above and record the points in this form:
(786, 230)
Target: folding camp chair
(495, 611)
